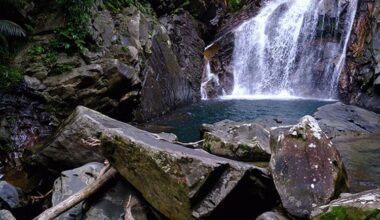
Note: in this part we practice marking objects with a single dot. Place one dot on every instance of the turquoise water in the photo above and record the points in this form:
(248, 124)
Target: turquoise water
(186, 122)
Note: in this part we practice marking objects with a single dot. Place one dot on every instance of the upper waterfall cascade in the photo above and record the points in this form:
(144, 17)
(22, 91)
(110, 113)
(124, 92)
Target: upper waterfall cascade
(293, 47)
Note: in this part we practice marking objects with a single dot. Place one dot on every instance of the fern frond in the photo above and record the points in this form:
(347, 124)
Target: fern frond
(11, 29)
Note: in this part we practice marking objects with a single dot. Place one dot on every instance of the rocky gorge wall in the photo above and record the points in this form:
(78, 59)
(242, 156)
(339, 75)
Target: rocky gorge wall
(360, 81)
(132, 72)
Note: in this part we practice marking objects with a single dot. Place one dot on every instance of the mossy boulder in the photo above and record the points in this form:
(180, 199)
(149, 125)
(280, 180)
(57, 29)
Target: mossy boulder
(306, 167)
(239, 141)
(361, 206)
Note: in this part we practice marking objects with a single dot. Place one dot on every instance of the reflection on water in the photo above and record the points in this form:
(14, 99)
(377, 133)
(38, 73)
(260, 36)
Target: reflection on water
(186, 122)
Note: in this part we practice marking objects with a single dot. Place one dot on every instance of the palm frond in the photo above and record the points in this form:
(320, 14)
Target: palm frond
(11, 29)
(3, 44)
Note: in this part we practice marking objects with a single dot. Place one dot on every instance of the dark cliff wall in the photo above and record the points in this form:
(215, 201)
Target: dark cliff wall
(360, 81)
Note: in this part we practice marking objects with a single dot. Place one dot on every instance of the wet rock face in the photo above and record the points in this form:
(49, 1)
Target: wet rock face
(179, 182)
(24, 121)
(185, 34)
(108, 204)
(358, 78)
(307, 169)
(221, 66)
(239, 141)
(364, 205)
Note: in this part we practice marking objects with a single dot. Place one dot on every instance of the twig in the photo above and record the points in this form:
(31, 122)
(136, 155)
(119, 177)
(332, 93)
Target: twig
(190, 144)
(37, 198)
(127, 210)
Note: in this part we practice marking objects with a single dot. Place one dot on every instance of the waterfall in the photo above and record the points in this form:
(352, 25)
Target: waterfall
(208, 77)
(293, 47)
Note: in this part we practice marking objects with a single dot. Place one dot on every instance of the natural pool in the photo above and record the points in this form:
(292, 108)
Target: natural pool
(360, 156)
(186, 122)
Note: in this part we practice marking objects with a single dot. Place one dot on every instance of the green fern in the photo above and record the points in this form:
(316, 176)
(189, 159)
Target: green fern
(11, 29)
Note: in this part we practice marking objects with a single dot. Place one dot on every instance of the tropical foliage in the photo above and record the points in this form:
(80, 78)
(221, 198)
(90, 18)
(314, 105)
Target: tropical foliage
(9, 29)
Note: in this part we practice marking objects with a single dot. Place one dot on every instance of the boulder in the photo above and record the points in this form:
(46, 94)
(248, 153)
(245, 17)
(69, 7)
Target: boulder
(364, 205)
(6, 215)
(355, 133)
(69, 183)
(239, 141)
(272, 215)
(339, 119)
(307, 169)
(360, 153)
(9, 194)
(107, 204)
(179, 182)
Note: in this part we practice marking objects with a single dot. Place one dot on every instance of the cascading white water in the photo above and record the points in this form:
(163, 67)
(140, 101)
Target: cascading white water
(208, 76)
(293, 47)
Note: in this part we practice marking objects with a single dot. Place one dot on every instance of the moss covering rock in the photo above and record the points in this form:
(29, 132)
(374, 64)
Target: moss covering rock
(361, 206)
(240, 141)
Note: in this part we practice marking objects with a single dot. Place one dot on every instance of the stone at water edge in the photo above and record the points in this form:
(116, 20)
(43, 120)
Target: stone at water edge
(306, 167)
(364, 205)
(339, 119)
(239, 141)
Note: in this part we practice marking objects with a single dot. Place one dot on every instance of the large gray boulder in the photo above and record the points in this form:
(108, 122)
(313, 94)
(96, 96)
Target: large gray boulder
(339, 119)
(364, 205)
(239, 141)
(307, 169)
(179, 182)
(107, 205)
(355, 133)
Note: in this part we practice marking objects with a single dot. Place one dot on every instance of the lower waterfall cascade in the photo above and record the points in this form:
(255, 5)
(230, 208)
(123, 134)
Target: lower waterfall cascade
(292, 48)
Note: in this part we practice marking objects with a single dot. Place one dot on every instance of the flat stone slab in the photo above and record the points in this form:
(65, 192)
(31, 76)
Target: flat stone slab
(339, 119)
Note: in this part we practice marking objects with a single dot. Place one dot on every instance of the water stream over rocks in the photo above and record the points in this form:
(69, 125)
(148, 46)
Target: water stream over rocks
(292, 48)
